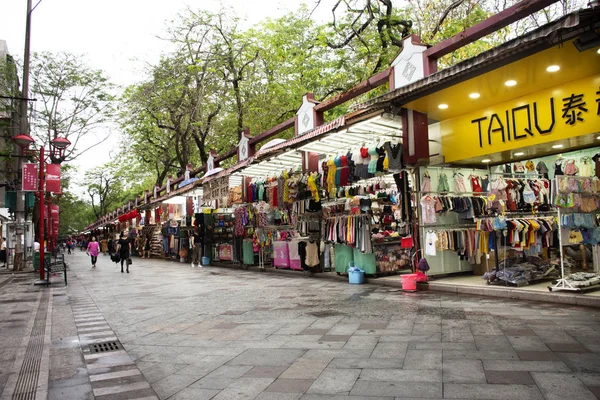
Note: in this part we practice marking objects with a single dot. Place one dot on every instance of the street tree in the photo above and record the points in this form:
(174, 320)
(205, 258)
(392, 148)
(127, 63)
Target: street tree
(74, 101)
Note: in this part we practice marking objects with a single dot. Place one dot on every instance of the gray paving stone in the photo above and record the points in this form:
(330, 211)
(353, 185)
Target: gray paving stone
(267, 357)
(390, 350)
(77, 392)
(479, 355)
(463, 371)
(361, 342)
(335, 381)
(568, 347)
(342, 397)
(230, 371)
(350, 363)
(212, 383)
(334, 338)
(441, 346)
(154, 372)
(582, 362)
(539, 366)
(537, 356)
(527, 343)
(342, 353)
(305, 369)
(509, 377)
(195, 394)
(589, 379)
(278, 396)
(492, 343)
(423, 359)
(561, 386)
(397, 389)
(61, 377)
(491, 391)
(373, 325)
(244, 388)
(401, 375)
(311, 331)
(264, 372)
(290, 385)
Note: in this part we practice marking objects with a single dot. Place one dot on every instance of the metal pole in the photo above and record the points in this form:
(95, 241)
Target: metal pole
(24, 128)
(42, 206)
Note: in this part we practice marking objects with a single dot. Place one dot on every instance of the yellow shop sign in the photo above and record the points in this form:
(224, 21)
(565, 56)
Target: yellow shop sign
(562, 112)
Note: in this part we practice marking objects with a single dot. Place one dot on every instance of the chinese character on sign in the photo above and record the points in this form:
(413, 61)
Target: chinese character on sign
(573, 107)
(598, 101)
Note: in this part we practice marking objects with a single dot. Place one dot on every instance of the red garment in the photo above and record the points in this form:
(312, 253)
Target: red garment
(344, 174)
(475, 184)
(364, 152)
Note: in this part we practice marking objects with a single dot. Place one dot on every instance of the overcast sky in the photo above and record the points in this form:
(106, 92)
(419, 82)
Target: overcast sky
(117, 36)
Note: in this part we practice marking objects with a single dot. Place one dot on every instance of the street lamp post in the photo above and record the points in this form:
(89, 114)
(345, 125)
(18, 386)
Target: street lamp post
(56, 145)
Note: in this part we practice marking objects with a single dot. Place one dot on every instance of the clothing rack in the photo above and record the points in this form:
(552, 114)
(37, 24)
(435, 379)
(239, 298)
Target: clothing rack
(519, 175)
(443, 226)
(446, 193)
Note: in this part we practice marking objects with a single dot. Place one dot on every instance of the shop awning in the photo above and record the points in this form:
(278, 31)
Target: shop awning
(332, 139)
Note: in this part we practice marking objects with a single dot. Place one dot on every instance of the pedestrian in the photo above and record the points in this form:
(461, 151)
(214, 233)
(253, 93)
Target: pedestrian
(69, 244)
(93, 250)
(104, 246)
(3, 252)
(64, 246)
(146, 251)
(124, 250)
(197, 249)
(110, 247)
(83, 245)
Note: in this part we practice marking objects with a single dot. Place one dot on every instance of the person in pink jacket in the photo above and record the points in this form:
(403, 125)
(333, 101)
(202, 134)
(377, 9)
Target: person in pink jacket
(93, 249)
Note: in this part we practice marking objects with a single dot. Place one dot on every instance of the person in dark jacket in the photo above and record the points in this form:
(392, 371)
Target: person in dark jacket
(124, 250)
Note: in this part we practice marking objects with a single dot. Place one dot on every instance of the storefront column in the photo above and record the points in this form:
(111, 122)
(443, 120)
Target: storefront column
(415, 136)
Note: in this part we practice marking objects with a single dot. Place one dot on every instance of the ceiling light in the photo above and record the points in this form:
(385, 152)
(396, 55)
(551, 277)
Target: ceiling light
(557, 146)
(598, 137)
(511, 82)
(487, 160)
(443, 106)
(553, 68)
(598, 51)
(474, 95)
(520, 153)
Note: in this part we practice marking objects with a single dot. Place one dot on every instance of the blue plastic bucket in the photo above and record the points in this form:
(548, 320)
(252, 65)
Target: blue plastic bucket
(356, 277)
(205, 261)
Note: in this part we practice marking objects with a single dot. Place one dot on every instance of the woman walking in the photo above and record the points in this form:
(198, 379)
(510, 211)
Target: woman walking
(93, 250)
(124, 250)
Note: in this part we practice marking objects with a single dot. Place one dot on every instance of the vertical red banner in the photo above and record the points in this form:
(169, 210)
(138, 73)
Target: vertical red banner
(53, 178)
(30, 177)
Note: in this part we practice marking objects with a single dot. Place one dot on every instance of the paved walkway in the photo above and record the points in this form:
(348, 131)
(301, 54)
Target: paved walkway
(216, 333)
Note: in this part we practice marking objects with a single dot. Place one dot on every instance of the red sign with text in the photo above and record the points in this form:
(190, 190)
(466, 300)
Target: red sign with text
(53, 178)
(30, 177)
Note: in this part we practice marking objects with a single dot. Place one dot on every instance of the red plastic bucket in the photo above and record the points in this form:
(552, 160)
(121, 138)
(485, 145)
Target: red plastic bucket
(409, 282)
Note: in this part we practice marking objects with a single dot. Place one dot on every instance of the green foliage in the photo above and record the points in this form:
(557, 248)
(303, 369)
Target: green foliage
(75, 213)
(74, 101)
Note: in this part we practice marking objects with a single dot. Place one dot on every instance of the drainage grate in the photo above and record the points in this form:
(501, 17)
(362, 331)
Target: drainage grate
(105, 347)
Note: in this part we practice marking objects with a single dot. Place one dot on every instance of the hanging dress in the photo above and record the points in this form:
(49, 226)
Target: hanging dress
(372, 168)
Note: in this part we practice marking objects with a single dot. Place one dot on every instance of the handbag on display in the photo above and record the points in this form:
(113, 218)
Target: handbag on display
(407, 242)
